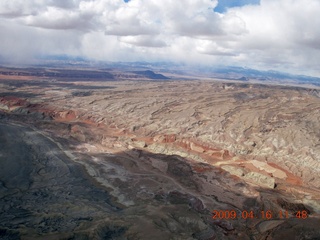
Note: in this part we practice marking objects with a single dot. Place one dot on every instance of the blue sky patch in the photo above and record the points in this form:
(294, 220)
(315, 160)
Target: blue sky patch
(223, 5)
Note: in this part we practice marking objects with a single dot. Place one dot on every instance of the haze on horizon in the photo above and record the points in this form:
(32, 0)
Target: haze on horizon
(281, 35)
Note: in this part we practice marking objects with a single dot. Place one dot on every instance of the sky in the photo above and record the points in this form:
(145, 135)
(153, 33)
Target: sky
(281, 35)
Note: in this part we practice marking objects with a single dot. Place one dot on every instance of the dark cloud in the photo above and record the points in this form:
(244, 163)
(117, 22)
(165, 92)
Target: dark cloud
(55, 18)
(143, 41)
(122, 30)
(66, 4)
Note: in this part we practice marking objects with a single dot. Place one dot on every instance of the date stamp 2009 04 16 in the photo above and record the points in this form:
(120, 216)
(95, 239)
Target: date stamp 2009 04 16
(268, 215)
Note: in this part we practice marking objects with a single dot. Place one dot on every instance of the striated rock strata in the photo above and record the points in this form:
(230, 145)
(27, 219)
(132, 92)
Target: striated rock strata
(168, 154)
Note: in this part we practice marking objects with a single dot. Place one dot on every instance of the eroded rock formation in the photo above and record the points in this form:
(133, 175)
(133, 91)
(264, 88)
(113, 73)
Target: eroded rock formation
(169, 153)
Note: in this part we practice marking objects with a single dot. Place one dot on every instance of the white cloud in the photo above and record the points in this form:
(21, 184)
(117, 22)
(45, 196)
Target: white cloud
(212, 48)
(277, 34)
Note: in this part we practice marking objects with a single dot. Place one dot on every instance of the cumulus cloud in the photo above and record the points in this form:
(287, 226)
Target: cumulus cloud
(18, 8)
(275, 34)
(280, 31)
(212, 48)
(56, 18)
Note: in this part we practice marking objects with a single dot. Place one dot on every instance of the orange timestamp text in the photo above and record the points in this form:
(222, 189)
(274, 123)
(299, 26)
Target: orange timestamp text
(233, 214)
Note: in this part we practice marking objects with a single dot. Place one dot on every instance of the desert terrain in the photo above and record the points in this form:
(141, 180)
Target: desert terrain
(109, 154)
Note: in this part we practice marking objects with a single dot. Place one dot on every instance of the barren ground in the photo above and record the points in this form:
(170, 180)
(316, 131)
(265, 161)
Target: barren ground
(145, 159)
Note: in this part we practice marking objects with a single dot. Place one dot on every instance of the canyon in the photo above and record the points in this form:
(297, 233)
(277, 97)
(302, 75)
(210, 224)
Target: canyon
(120, 155)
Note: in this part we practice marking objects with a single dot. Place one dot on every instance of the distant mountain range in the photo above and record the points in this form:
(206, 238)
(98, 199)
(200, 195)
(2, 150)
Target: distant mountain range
(147, 69)
(151, 75)
(245, 74)
(225, 72)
